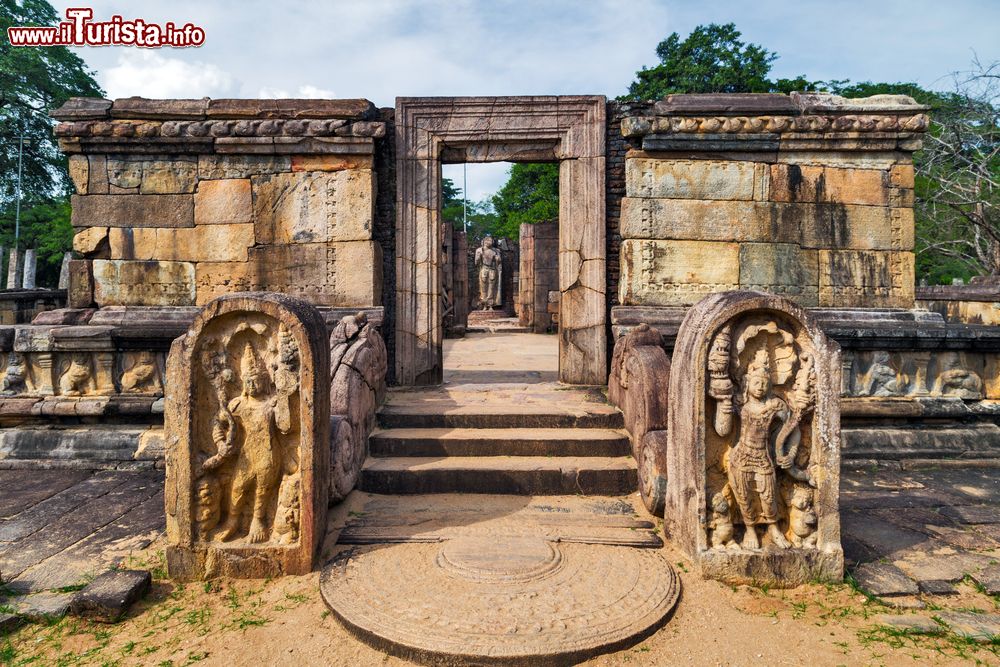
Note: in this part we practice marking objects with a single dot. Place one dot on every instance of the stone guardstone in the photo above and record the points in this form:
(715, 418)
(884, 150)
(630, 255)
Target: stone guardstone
(248, 439)
(753, 454)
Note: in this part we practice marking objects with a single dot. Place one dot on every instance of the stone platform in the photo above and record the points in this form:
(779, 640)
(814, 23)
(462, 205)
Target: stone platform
(478, 579)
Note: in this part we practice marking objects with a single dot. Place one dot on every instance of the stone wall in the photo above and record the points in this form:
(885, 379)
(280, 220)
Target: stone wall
(180, 201)
(976, 303)
(538, 274)
(808, 196)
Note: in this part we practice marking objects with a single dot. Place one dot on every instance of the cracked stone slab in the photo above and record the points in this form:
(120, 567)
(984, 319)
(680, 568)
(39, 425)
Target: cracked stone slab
(911, 623)
(40, 607)
(979, 627)
(883, 579)
(937, 587)
(975, 514)
(108, 597)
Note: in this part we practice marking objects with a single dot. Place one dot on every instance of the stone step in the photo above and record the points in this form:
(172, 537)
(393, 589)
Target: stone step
(518, 475)
(411, 416)
(413, 442)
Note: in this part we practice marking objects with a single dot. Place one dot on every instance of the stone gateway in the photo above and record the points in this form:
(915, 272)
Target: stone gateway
(248, 432)
(753, 447)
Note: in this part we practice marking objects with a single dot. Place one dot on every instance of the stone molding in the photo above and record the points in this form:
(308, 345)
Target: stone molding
(430, 131)
(771, 122)
(138, 125)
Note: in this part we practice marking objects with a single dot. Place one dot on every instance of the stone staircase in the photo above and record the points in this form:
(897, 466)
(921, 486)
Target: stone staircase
(504, 439)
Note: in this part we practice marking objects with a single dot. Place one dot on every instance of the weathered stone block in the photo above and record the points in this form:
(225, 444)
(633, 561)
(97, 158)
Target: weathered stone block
(143, 283)
(79, 173)
(214, 279)
(689, 179)
(829, 185)
(108, 597)
(133, 210)
(241, 166)
(203, 243)
(331, 162)
(693, 220)
(224, 201)
(314, 207)
(866, 279)
(676, 273)
(168, 176)
(81, 284)
(91, 240)
(97, 177)
(247, 469)
(781, 268)
(753, 460)
(336, 274)
(124, 173)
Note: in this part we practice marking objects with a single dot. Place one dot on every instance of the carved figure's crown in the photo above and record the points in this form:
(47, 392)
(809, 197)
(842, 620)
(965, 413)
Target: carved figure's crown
(761, 364)
(248, 364)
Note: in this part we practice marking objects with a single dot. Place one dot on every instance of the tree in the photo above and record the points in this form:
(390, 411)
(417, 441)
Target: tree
(46, 227)
(481, 217)
(712, 59)
(958, 175)
(530, 195)
(34, 81)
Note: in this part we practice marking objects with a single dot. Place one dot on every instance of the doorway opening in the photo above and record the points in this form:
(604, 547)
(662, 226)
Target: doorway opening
(500, 279)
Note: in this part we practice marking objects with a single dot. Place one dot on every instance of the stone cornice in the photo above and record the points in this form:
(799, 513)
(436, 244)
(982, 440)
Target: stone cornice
(768, 114)
(138, 125)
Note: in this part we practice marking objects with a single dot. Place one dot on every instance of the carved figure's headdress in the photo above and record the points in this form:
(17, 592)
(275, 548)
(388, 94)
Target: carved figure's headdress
(249, 366)
(761, 365)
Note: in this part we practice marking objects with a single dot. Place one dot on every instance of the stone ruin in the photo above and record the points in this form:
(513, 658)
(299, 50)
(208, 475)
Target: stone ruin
(753, 453)
(358, 365)
(248, 456)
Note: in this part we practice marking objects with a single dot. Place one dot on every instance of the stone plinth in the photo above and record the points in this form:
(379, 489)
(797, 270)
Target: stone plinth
(753, 456)
(248, 433)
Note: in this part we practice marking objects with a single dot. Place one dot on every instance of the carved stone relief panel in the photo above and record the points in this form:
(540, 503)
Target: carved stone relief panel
(247, 427)
(884, 374)
(754, 448)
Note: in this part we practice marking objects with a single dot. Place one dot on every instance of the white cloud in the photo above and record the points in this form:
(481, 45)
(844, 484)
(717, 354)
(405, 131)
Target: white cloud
(149, 74)
(304, 92)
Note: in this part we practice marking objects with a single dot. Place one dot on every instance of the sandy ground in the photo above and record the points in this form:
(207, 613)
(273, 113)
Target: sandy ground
(285, 622)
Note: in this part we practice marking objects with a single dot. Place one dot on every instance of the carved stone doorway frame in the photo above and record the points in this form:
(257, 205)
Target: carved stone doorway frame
(435, 130)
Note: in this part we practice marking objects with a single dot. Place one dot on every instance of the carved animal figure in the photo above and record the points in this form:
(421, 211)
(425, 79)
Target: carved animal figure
(74, 379)
(802, 518)
(16, 375)
(141, 377)
(954, 380)
(721, 523)
(882, 379)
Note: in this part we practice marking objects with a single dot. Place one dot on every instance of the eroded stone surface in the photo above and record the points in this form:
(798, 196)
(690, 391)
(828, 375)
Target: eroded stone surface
(247, 471)
(500, 597)
(108, 597)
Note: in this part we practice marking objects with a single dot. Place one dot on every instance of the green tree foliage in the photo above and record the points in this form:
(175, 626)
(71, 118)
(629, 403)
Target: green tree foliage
(530, 195)
(712, 59)
(481, 216)
(33, 81)
(46, 227)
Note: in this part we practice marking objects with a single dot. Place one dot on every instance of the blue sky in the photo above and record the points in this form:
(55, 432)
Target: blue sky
(379, 49)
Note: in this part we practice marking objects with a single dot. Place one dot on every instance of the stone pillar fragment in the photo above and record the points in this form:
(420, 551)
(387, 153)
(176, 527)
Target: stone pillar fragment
(247, 427)
(30, 268)
(14, 270)
(753, 455)
(63, 270)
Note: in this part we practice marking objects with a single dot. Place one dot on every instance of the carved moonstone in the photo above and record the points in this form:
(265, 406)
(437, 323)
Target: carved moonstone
(753, 455)
(248, 439)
